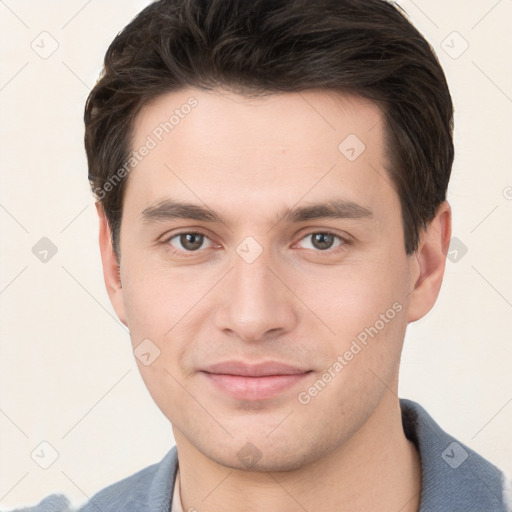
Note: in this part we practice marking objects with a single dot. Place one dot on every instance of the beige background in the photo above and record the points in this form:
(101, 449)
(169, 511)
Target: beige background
(67, 373)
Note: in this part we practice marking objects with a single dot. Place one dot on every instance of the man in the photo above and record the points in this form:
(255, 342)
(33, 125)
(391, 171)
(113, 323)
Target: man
(271, 188)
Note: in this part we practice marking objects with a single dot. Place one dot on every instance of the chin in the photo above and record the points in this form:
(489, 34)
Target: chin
(257, 454)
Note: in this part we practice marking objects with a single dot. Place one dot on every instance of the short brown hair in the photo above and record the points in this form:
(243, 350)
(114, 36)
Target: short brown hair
(367, 48)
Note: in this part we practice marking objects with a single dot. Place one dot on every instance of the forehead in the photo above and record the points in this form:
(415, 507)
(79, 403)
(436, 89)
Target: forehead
(221, 148)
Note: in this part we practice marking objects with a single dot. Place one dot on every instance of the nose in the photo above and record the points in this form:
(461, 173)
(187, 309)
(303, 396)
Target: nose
(255, 304)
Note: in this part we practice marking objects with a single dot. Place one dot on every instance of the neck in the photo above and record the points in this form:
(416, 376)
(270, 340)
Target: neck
(378, 469)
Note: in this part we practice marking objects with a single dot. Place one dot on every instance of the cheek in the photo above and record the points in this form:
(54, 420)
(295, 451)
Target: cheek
(361, 309)
(368, 318)
(165, 311)
(156, 298)
(353, 297)
(156, 307)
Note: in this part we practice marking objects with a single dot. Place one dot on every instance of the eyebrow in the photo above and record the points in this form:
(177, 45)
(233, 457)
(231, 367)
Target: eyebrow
(169, 209)
(335, 209)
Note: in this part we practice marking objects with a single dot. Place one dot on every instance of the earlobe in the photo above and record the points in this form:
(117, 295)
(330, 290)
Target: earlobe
(429, 262)
(111, 269)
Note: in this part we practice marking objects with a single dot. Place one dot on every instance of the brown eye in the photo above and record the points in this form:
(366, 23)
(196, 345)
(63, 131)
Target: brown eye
(188, 241)
(321, 241)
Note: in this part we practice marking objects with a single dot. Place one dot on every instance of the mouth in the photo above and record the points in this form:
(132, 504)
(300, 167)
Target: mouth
(254, 382)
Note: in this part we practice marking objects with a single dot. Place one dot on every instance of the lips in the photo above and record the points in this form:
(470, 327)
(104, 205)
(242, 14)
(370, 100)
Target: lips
(260, 381)
(253, 370)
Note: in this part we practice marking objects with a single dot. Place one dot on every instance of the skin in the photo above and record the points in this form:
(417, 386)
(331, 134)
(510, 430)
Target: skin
(249, 160)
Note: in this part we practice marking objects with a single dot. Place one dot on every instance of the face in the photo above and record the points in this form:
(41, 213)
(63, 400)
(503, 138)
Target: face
(264, 275)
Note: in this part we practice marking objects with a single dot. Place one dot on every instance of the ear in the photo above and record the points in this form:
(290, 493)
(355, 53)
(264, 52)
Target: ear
(111, 269)
(429, 263)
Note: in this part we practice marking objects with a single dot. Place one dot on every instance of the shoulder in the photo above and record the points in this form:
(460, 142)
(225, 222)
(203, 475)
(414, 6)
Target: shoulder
(453, 475)
(53, 503)
(149, 489)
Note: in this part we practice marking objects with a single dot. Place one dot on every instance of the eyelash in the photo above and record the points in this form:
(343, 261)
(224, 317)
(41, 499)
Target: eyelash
(343, 242)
